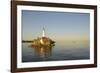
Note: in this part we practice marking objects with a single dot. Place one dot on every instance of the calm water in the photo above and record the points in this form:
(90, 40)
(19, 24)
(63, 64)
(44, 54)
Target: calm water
(71, 51)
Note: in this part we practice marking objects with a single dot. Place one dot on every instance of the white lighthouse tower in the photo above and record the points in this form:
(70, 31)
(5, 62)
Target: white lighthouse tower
(43, 37)
(43, 32)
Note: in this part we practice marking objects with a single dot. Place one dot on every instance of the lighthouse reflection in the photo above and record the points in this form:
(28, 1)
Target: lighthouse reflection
(42, 52)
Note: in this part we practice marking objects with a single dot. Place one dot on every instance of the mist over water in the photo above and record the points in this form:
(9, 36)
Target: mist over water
(65, 51)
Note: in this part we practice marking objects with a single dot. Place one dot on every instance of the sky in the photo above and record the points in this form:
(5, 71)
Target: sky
(59, 26)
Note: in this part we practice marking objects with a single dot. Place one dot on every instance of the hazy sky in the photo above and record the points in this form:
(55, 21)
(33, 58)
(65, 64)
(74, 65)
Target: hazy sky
(59, 26)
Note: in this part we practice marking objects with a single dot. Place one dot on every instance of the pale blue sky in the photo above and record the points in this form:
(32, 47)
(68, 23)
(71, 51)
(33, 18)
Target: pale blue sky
(58, 25)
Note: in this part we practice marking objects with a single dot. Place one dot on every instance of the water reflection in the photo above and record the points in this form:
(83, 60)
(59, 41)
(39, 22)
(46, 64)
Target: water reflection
(55, 53)
(42, 52)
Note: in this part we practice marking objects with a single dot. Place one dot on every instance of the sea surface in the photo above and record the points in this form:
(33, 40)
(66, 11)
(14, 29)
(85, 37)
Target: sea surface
(59, 52)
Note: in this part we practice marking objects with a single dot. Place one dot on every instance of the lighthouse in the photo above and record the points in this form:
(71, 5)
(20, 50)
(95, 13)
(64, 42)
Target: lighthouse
(43, 32)
(43, 40)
